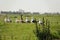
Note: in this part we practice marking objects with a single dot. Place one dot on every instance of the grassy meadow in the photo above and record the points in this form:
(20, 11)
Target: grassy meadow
(24, 31)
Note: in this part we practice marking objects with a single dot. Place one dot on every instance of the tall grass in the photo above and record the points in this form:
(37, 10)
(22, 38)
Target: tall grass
(24, 31)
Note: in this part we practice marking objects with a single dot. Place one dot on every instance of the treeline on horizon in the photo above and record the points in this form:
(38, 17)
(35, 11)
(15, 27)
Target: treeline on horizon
(17, 12)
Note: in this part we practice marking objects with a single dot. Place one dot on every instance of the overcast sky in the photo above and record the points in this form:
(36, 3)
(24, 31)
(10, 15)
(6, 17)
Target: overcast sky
(30, 5)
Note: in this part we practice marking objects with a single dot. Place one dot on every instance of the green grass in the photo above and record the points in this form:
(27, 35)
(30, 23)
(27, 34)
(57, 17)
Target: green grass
(24, 31)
